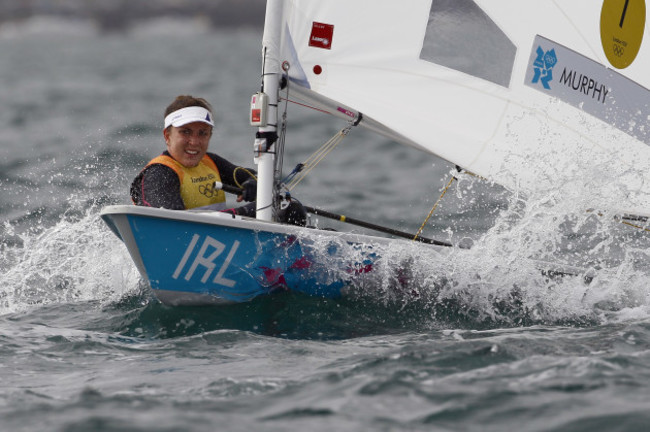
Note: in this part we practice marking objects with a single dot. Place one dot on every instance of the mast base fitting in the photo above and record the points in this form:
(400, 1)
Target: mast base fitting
(264, 141)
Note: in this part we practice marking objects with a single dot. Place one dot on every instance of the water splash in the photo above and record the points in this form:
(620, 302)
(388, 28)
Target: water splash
(551, 229)
(501, 281)
(76, 259)
(544, 261)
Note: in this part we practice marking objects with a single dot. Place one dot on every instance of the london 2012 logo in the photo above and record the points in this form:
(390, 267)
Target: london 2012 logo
(543, 67)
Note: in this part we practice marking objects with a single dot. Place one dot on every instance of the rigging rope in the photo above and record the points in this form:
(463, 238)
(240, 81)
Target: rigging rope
(301, 170)
(234, 175)
(417, 234)
(444, 191)
(625, 220)
(635, 226)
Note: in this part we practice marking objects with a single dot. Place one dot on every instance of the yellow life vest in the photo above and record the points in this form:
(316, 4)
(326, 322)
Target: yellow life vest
(197, 183)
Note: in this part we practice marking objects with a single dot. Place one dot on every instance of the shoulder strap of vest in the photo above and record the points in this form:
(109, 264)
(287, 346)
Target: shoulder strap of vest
(170, 162)
(209, 162)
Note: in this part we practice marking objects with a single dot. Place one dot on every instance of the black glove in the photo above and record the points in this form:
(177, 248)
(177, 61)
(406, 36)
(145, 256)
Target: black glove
(294, 214)
(249, 190)
(246, 210)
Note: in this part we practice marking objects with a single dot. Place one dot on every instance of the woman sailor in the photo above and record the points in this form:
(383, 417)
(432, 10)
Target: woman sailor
(183, 176)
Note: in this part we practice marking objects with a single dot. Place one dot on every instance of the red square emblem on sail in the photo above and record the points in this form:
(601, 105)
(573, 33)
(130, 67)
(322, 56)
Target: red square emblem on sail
(321, 35)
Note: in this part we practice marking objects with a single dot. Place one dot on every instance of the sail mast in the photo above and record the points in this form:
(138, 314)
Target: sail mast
(271, 74)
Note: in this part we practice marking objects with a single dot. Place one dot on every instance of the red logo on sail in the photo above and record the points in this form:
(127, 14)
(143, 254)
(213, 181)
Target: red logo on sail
(321, 35)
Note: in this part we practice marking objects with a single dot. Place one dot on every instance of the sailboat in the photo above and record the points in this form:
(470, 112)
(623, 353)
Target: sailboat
(527, 94)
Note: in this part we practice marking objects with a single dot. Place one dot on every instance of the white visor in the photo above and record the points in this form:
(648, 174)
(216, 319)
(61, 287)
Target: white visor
(188, 115)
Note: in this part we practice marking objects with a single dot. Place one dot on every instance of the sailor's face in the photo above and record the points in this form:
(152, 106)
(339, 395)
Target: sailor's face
(189, 143)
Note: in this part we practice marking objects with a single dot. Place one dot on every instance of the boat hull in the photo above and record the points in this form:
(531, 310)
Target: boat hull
(201, 258)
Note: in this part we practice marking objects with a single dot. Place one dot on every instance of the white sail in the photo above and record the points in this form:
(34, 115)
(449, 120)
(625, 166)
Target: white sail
(526, 93)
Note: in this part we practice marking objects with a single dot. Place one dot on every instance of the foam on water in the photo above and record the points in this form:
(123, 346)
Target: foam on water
(553, 226)
(499, 281)
(510, 274)
(76, 259)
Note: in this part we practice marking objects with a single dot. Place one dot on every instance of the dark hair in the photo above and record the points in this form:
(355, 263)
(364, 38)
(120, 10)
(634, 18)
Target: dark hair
(185, 101)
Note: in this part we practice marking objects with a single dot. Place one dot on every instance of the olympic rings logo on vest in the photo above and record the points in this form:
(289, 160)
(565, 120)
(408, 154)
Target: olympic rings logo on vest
(208, 190)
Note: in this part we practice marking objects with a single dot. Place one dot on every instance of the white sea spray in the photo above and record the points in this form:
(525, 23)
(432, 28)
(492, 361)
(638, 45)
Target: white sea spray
(76, 259)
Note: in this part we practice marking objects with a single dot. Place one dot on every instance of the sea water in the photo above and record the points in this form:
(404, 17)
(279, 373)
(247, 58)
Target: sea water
(478, 340)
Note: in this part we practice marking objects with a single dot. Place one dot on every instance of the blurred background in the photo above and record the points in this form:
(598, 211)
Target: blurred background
(120, 15)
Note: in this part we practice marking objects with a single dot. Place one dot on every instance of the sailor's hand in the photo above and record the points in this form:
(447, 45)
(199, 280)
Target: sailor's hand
(249, 192)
